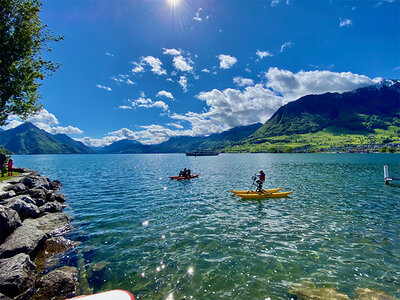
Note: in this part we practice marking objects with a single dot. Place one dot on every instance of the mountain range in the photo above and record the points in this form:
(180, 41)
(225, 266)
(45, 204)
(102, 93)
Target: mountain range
(361, 112)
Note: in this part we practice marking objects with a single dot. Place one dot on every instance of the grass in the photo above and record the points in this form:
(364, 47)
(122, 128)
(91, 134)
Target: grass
(8, 177)
(328, 138)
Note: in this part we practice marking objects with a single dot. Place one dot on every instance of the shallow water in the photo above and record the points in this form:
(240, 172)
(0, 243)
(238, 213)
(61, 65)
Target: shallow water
(164, 238)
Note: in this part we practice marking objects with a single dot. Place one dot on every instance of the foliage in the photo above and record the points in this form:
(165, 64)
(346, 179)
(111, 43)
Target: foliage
(24, 40)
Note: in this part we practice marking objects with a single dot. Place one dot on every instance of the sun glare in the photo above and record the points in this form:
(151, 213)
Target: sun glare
(173, 3)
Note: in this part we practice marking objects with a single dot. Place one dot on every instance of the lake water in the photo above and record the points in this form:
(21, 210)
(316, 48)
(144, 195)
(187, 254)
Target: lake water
(163, 238)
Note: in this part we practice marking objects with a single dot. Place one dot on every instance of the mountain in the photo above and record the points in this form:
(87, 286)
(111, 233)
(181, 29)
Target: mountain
(362, 110)
(181, 144)
(29, 139)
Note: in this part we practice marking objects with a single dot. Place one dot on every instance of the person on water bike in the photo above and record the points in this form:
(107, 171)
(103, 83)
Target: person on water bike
(260, 181)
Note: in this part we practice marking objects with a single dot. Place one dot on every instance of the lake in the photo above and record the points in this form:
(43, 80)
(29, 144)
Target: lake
(162, 238)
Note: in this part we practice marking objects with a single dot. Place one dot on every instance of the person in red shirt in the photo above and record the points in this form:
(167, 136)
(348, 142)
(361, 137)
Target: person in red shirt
(260, 181)
(10, 167)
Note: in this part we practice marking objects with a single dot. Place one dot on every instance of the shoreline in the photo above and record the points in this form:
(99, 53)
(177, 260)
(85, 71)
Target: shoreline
(32, 234)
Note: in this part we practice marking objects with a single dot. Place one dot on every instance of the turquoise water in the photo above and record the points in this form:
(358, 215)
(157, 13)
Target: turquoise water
(162, 238)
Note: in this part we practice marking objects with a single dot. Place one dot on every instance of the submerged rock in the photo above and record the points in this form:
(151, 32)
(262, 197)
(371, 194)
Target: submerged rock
(368, 294)
(308, 291)
(9, 220)
(53, 246)
(25, 239)
(58, 284)
(16, 274)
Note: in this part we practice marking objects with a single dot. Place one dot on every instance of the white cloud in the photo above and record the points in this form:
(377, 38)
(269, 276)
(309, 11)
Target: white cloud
(148, 103)
(240, 81)
(173, 52)
(104, 87)
(183, 82)
(155, 64)
(275, 2)
(108, 53)
(138, 67)
(262, 54)
(165, 94)
(206, 70)
(226, 61)
(125, 107)
(286, 45)
(124, 133)
(197, 16)
(90, 142)
(122, 79)
(43, 120)
(345, 23)
(183, 64)
(175, 125)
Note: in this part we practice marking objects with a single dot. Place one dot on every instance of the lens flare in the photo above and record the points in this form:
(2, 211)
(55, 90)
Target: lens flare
(173, 3)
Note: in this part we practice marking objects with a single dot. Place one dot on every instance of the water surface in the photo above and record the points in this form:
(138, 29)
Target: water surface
(163, 238)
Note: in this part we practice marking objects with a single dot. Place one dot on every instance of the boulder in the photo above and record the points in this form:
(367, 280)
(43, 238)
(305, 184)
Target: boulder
(59, 198)
(24, 205)
(368, 294)
(18, 188)
(308, 291)
(55, 185)
(47, 256)
(16, 274)
(51, 224)
(7, 194)
(37, 194)
(34, 182)
(25, 239)
(9, 220)
(58, 284)
(51, 207)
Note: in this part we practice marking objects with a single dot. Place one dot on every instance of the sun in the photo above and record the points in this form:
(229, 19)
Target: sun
(173, 3)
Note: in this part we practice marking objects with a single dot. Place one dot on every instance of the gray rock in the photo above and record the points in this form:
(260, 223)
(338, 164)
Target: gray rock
(24, 205)
(37, 194)
(59, 198)
(7, 194)
(51, 224)
(58, 284)
(16, 274)
(308, 291)
(9, 220)
(18, 188)
(34, 182)
(25, 239)
(51, 207)
(55, 185)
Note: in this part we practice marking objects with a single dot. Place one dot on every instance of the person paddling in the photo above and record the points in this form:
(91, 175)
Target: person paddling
(260, 181)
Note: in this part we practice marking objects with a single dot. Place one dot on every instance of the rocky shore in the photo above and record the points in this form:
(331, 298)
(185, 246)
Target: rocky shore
(32, 226)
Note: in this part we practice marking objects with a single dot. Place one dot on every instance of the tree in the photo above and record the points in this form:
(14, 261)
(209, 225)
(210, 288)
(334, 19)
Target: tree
(23, 40)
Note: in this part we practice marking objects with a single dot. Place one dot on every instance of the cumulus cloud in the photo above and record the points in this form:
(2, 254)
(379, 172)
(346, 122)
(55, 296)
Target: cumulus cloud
(183, 83)
(240, 81)
(206, 70)
(197, 16)
(286, 45)
(107, 88)
(43, 120)
(262, 54)
(125, 107)
(172, 51)
(226, 61)
(138, 67)
(165, 94)
(155, 64)
(148, 103)
(176, 125)
(91, 142)
(345, 23)
(183, 64)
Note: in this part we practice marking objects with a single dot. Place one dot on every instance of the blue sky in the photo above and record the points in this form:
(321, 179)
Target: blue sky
(152, 69)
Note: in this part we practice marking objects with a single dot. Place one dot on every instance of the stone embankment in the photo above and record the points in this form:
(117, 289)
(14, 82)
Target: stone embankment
(31, 227)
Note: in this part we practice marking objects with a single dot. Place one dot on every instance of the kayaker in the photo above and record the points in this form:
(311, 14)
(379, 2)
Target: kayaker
(188, 173)
(183, 173)
(261, 180)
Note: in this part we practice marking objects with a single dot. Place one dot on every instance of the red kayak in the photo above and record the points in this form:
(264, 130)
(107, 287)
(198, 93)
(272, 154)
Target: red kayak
(181, 177)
